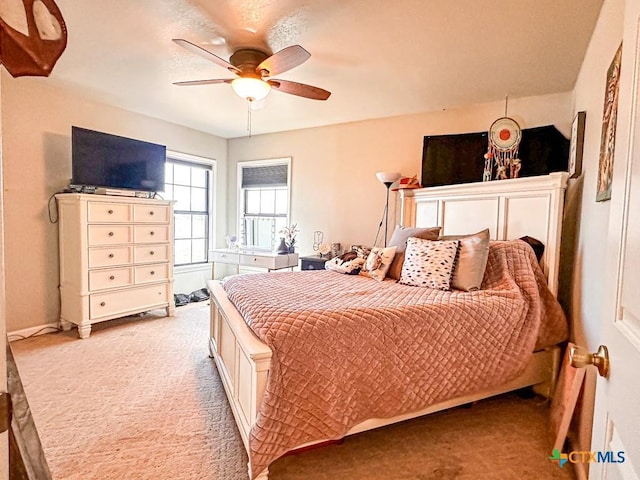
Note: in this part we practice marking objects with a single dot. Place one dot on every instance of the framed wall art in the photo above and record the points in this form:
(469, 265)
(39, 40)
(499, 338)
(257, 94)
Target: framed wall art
(608, 137)
(577, 145)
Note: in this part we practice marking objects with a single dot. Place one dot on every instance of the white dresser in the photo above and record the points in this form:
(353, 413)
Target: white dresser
(116, 258)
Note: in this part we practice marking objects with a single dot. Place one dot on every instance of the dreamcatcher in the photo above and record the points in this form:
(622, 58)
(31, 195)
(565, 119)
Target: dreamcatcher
(501, 160)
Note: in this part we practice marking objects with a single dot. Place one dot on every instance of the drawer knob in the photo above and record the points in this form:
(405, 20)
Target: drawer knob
(112, 277)
(102, 304)
(152, 252)
(152, 233)
(255, 259)
(153, 272)
(111, 234)
(151, 212)
(111, 255)
(110, 212)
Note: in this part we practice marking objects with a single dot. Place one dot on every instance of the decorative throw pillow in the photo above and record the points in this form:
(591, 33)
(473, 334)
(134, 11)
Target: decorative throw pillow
(399, 239)
(361, 251)
(471, 261)
(429, 263)
(378, 262)
(349, 262)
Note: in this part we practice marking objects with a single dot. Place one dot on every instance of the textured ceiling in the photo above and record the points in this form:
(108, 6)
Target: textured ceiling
(378, 58)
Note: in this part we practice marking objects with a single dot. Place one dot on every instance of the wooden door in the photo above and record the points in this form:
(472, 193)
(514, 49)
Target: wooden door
(617, 411)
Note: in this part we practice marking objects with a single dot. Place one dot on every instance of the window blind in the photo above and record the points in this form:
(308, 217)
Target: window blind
(264, 176)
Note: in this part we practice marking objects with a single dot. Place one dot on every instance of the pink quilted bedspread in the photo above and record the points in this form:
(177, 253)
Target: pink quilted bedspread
(348, 348)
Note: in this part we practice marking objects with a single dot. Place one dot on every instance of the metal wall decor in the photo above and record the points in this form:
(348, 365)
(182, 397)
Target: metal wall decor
(33, 35)
(318, 238)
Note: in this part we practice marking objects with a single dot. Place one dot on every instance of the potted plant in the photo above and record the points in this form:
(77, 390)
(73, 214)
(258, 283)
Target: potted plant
(289, 234)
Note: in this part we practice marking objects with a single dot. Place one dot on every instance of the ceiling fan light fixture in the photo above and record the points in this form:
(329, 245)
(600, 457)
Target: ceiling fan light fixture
(250, 88)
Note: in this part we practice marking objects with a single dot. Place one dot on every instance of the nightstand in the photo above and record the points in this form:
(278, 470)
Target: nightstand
(312, 263)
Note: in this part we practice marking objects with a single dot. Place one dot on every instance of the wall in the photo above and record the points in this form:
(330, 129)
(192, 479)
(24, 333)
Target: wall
(37, 119)
(589, 264)
(334, 188)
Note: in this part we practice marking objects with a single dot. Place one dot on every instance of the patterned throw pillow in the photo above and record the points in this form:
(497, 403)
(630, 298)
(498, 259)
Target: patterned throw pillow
(399, 239)
(378, 262)
(349, 263)
(429, 263)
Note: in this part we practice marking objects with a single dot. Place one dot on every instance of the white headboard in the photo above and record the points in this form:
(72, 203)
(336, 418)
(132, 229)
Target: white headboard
(509, 208)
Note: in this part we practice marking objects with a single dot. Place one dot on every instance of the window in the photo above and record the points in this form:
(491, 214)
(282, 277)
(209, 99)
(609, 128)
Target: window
(263, 201)
(189, 184)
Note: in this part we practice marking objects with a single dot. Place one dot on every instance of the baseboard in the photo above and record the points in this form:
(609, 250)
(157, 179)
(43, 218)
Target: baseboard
(33, 331)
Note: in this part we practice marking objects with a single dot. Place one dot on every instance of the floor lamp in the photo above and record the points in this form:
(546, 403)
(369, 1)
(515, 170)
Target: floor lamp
(387, 178)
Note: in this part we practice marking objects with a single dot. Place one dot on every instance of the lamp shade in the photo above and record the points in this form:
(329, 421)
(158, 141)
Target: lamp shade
(251, 88)
(388, 177)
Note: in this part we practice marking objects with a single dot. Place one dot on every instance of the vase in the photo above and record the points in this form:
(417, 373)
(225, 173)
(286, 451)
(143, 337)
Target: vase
(282, 248)
(292, 249)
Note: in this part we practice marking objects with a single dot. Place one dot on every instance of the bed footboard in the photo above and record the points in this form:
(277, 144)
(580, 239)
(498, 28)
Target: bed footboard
(242, 359)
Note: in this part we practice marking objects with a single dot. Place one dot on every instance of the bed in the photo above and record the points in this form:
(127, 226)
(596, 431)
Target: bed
(275, 371)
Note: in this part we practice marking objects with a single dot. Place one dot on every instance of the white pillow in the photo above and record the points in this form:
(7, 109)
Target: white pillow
(429, 263)
(378, 262)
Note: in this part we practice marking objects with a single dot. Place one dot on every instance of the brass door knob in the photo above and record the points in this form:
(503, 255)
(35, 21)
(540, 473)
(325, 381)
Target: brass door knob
(580, 357)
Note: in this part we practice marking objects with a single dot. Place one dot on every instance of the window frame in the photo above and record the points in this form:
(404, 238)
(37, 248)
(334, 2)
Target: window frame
(211, 167)
(241, 192)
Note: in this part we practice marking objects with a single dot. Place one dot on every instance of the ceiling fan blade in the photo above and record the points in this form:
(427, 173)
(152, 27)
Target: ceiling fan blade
(193, 48)
(284, 60)
(300, 89)
(204, 82)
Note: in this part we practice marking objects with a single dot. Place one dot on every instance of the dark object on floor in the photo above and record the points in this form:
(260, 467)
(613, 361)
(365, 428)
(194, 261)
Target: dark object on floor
(199, 295)
(527, 393)
(196, 296)
(181, 299)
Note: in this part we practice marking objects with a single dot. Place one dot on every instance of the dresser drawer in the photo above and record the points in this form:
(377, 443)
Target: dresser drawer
(101, 212)
(122, 302)
(257, 261)
(110, 234)
(110, 256)
(225, 257)
(111, 278)
(151, 253)
(151, 233)
(151, 213)
(152, 273)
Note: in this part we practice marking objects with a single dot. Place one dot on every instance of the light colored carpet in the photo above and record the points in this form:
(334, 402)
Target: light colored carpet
(141, 399)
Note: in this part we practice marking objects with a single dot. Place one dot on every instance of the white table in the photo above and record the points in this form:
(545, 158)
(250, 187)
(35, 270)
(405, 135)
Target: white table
(252, 258)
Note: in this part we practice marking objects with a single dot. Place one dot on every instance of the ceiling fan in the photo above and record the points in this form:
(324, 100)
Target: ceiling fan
(255, 69)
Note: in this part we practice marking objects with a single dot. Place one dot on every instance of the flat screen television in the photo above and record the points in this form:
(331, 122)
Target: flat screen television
(459, 158)
(101, 159)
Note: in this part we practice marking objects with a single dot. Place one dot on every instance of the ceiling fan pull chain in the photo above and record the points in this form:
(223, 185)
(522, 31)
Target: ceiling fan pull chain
(249, 116)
